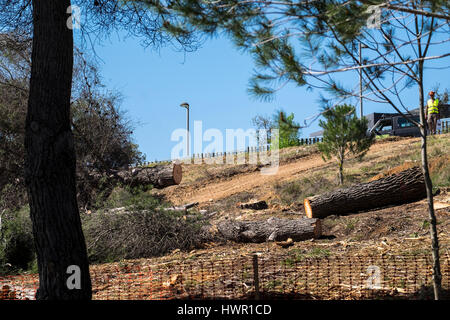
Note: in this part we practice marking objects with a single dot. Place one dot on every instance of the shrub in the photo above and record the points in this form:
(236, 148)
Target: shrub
(138, 234)
(17, 250)
(344, 134)
(137, 198)
(12, 195)
(142, 229)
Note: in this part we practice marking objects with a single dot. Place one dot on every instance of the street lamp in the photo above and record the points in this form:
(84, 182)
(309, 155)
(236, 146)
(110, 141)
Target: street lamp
(186, 105)
(361, 46)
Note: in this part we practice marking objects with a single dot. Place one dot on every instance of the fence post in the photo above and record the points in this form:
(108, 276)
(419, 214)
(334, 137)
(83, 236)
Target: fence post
(256, 276)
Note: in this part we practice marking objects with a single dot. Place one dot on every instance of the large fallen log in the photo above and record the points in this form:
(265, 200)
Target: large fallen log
(158, 176)
(404, 187)
(272, 229)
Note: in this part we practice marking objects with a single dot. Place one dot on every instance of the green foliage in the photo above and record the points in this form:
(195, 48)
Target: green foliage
(344, 134)
(143, 230)
(96, 121)
(16, 242)
(288, 129)
(137, 198)
(309, 42)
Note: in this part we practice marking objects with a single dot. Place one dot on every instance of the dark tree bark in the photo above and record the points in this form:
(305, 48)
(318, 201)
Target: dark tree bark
(404, 187)
(50, 156)
(272, 229)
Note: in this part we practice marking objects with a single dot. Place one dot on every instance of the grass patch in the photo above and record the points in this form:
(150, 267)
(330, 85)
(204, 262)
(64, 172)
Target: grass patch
(440, 171)
(137, 198)
(330, 222)
(296, 191)
(297, 255)
(230, 203)
(350, 225)
(272, 284)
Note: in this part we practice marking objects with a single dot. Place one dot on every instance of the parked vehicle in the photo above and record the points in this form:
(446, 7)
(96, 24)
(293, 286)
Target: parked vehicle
(395, 124)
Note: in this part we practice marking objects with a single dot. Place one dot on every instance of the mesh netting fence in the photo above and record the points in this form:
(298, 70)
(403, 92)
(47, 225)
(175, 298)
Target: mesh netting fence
(262, 276)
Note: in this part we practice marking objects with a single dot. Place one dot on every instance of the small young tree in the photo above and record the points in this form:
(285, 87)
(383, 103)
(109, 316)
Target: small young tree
(289, 130)
(343, 134)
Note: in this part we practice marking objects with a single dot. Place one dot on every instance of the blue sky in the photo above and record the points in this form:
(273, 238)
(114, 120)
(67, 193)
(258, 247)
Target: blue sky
(214, 81)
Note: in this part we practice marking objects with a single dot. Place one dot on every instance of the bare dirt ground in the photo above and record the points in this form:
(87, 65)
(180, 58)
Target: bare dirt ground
(215, 189)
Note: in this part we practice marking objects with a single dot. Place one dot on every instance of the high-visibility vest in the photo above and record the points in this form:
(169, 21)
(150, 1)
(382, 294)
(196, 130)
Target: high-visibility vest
(433, 106)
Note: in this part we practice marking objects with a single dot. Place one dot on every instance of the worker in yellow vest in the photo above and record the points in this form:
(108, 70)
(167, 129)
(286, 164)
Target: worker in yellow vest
(432, 114)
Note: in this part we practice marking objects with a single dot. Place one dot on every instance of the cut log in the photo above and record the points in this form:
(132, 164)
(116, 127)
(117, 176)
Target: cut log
(273, 229)
(158, 176)
(404, 187)
(255, 205)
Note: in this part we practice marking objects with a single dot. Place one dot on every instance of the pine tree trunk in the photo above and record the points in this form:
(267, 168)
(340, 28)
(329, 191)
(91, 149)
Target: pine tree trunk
(403, 187)
(50, 157)
(158, 176)
(272, 229)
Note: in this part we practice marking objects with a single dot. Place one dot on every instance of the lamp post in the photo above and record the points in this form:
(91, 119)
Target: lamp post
(361, 46)
(186, 105)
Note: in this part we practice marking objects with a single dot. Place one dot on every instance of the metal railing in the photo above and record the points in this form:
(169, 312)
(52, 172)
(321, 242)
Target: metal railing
(212, 155)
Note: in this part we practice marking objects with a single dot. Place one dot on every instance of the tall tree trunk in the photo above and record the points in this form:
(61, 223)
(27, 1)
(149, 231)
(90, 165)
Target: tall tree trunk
(50, 158)
(429, 187)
